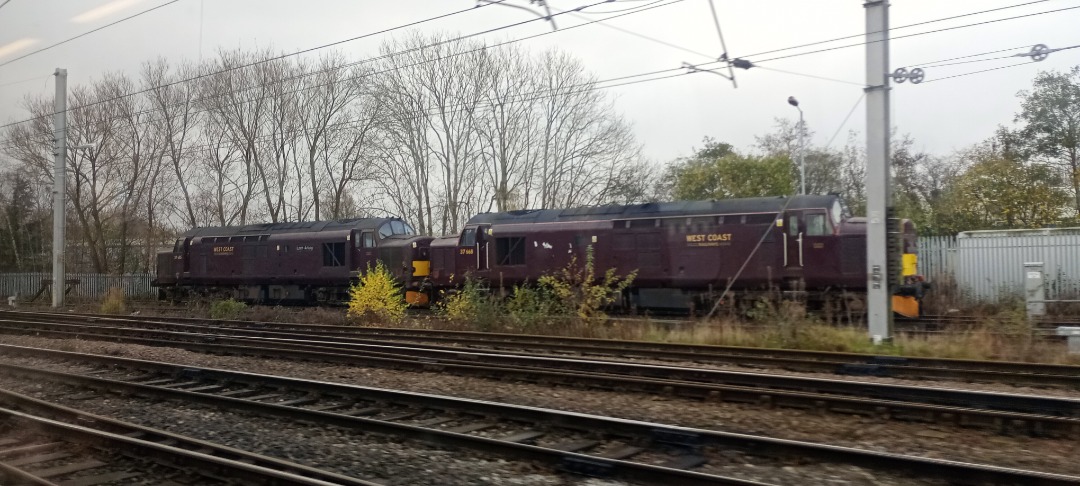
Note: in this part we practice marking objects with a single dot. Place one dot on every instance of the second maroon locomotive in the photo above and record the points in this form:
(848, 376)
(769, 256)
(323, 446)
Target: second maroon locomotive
(685, 253)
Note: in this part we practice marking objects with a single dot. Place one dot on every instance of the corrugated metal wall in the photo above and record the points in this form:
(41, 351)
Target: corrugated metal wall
(988, 266)
(91, 285)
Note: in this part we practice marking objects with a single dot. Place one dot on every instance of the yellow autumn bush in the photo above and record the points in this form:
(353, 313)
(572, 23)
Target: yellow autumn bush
(377, 296)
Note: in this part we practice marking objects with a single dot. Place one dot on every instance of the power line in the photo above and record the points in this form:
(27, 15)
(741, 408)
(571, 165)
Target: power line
(919, 33)
(531, 96)
(263, 61)
(640, 35)
(980, 71)
(931, 64)
(823, 78)
(846, 118)
(65, 41)
(466, 108)
(27, 80)
(893, 28)
(646, 7)
(482, 48)
(5, 3)
(620, 10)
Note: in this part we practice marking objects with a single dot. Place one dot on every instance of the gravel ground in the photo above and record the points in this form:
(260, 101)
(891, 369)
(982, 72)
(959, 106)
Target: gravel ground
(999, 387)
(917, 439)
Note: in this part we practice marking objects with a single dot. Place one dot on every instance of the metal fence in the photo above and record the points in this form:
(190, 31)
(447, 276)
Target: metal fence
(988, 266)
(91, 285)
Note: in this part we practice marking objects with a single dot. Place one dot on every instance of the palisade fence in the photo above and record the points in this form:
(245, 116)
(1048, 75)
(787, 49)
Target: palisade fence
(91, 285)
(937, 256)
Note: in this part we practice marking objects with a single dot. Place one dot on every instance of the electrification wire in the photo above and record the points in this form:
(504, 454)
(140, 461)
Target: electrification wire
(283, 56)
(643, 8)
(620, 10)
(917, 34)
(642, 36)
(464, 107)
(823, 78)
(65, 41)
(811, 44)
(931, 64)
(241, 90)
(846, 118)
(977, 72)
(27, 80)
(5, 3)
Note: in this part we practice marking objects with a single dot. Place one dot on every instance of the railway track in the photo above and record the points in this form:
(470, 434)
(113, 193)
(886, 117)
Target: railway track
(1008, 413)
(1038, 374)
(48, 445)
(581, 443)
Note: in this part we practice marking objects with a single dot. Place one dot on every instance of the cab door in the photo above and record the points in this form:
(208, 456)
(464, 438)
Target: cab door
(365, 249)
(483, 247)
(793, 243)
(819, 248)
(467, 257)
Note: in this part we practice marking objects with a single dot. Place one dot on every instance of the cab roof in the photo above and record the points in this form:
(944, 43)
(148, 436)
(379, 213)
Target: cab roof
(655, 210)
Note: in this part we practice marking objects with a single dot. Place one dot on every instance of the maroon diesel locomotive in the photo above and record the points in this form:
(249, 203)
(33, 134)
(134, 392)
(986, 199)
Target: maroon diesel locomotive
(685, 253)
(307, 262)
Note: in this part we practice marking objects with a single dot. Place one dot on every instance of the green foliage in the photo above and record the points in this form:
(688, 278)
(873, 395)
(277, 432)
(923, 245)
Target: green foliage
(532, 307)
(227, 309)
(1050, 114)
(1001, 193)
(377, 296)
(114, 302)
(472, 305)
(731, 176)
(578, 290)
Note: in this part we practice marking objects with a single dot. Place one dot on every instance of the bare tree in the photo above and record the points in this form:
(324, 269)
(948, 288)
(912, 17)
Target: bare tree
(176, 122)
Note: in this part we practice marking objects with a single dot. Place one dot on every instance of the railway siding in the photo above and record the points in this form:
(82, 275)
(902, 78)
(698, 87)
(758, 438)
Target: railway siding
(181, 376)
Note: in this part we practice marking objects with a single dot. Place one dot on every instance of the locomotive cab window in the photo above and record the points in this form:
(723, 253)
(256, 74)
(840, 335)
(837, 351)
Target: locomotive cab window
(793, 225)
(468, 237)
(366, 240)
(385, 231)
(817, 225)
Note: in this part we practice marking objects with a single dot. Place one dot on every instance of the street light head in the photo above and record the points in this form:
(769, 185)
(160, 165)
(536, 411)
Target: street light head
(792, 101)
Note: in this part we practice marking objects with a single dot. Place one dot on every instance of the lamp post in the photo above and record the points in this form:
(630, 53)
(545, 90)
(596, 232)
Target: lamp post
(802, 166)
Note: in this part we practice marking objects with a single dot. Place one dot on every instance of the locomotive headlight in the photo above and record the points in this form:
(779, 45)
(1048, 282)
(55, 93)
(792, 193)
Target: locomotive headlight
(414, 244)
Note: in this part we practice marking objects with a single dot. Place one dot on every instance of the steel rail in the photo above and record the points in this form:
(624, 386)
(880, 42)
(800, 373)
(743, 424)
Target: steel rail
(41, 408)
(186, 459)
(818, 361)
(1034, 415)
(642, 431)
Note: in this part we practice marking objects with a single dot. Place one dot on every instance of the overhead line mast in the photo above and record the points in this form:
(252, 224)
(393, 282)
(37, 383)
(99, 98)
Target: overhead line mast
(878, 188)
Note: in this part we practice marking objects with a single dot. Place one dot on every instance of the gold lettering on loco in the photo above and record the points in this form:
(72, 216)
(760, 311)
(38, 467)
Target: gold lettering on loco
(223, 250)
(711, 239)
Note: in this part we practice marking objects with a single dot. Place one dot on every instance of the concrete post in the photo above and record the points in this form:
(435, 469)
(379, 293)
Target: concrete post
(878, 197)
(59, 186)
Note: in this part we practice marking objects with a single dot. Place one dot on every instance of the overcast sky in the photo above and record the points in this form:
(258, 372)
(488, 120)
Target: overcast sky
(670, 116)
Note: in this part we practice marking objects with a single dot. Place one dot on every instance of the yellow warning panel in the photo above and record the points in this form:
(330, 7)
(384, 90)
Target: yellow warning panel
(911, 264)
(905, 306)
(421, 268)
